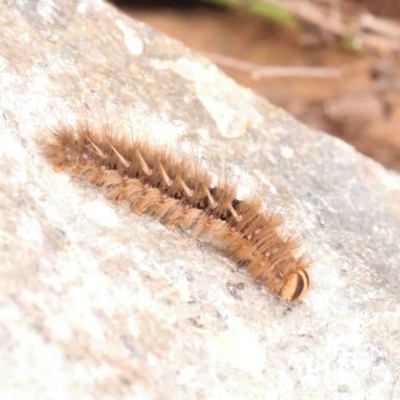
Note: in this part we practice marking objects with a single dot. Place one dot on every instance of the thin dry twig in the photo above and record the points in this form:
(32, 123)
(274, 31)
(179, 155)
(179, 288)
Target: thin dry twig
(380, 25)
(261, 71)
(311, 13)
(367, 31)
(378, 43)
(297, 72)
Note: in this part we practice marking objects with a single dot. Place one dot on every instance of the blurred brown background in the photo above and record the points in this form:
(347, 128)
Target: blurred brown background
(333, 64)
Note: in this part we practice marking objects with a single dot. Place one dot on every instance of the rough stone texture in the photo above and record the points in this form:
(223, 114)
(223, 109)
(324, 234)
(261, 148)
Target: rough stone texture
(98, 303)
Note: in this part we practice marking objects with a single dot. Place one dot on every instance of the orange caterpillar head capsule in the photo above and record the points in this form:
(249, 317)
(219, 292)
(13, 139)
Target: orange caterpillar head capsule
(296, 286)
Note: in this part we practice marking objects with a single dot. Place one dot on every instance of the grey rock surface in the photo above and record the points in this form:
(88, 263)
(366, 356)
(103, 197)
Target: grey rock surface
(98, 303)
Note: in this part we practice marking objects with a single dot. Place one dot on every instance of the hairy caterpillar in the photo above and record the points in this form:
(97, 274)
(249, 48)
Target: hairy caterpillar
(178, 192)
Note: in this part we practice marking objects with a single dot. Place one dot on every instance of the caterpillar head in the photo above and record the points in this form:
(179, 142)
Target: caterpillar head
(295, 286)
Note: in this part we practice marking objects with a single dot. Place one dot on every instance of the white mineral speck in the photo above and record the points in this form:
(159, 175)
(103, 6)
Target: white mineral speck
(59, 328)
(240, 349)
(30, 229)
(100, 212)
(132, 41)
(186, 375)
(3, 63)
(287, 152)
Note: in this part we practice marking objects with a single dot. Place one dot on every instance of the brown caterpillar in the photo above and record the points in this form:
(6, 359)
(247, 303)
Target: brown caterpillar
(178, 192)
